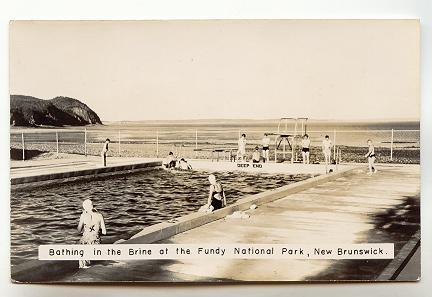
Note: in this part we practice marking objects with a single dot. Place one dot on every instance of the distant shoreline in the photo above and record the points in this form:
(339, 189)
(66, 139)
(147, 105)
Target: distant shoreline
(227, 122)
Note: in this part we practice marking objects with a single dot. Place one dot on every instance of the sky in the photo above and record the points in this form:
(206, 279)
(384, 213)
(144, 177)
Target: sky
(261, 69)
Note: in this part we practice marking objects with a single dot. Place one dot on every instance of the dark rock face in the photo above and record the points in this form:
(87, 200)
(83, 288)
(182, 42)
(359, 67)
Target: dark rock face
(60, 111)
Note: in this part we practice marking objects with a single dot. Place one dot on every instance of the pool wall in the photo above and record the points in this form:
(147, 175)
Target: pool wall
(277, 168)
(40, 271)
(66, 176)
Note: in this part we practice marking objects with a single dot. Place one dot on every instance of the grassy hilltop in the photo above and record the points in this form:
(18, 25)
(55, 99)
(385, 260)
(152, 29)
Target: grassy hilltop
(29, 111)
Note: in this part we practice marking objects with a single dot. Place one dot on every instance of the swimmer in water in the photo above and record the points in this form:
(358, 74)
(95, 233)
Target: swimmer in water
(266, 147)
(216, 197)
(91, 224)
(371, 157)
(326, 148)
(305, 149)
(105, 151)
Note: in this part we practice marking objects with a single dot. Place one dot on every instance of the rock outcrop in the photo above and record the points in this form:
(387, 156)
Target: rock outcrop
(60, 111)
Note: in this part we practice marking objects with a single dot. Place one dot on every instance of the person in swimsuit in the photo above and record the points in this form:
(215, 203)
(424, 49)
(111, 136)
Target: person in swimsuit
(371, 157)
(216, 197)
(326, 148)
(241, 153)
(305, 149)
(91, 224)
(105, 151)
(184, 165)
(266, 147)
(170, 161)
(256, 156)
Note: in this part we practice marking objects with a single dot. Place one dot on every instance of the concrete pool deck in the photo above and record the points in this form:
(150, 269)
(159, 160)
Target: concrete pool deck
(43, 166)
(48, 170)
(31, 172)
(340, 210)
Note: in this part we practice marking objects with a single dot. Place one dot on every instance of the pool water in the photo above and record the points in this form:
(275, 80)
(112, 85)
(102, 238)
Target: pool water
(50, 214)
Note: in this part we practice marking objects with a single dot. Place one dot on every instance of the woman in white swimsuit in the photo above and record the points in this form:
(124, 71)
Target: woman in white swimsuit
(241, 153)
(91, 224)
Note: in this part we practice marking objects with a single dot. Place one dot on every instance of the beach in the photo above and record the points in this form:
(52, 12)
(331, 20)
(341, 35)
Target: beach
(197, 139)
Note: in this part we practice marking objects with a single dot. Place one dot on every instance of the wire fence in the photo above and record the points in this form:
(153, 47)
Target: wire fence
(401, 146)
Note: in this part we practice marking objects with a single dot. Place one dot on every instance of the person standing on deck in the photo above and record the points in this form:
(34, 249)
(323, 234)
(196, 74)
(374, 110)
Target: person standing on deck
(371, 157)
(105, 151)
(241, 153)
(266, 147)
(305, 149)
(326, 148)
(91, 224)
(216, 196)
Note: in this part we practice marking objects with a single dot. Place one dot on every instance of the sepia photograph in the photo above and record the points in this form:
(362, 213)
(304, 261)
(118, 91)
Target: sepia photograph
(214, 151)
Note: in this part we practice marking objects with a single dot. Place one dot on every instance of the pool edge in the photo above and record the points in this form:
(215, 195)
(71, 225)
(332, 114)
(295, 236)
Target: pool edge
(26, 272)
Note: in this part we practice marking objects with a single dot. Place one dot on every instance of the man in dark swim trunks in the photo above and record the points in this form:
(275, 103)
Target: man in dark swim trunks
(305, 149)
(266, 147)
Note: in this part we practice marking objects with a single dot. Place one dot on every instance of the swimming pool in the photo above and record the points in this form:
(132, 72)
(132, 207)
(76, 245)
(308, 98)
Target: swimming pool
(49, 214)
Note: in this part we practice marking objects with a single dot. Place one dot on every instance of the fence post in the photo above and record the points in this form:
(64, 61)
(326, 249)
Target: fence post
(157, 143)
(85, 142)
(391, 146)
(23, 147)
(292, 151)
(334, 144)
(196, 143)
(119, 143)
(57, 144)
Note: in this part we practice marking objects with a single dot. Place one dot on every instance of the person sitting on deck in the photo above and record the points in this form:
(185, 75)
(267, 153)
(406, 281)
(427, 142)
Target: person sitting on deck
(170, 161)
(184, 165)
(256, 156)
(216, 196)
(241, 153)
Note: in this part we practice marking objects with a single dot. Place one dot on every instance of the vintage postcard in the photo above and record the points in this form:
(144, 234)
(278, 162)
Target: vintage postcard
(215, 150)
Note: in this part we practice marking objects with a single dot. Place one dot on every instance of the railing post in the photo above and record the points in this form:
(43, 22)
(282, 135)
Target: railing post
(391, 146)
(157, 143)
(196, 143)
(119, 143)
(57, 144)
(334, 144)
(23, 146)
(292, 151)
(85, 142)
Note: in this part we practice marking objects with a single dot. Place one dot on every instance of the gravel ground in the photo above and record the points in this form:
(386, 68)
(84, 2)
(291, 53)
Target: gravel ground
(351, 154)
